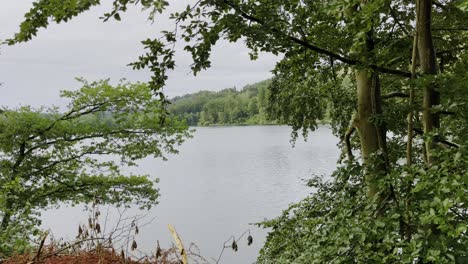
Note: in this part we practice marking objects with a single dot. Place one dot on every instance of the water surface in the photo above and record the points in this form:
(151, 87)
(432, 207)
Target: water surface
(223, 179)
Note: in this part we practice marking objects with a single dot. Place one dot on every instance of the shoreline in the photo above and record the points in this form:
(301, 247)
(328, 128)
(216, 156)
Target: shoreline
(320, 123)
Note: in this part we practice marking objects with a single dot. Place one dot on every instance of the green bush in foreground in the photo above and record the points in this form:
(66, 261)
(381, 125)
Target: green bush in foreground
(50, 157)
(423, 219)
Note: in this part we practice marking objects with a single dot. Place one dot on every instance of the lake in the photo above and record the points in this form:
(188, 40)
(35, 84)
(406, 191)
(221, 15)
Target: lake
(223, 179)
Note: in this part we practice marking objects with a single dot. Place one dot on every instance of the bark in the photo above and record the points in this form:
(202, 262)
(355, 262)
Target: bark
(372, 136)
(427, 59)
(347, 140)
(409, 143)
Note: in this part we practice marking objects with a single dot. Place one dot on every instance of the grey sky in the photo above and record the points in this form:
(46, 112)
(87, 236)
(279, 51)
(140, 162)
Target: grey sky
(33, 73)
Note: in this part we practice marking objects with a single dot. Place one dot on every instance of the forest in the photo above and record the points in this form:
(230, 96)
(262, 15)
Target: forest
(390, 76)
(226, 107)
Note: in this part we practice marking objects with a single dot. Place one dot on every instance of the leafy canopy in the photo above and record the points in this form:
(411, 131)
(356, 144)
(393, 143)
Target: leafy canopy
(51, 157)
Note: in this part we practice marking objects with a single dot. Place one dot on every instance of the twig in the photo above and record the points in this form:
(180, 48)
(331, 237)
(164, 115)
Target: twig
(394, 16)
(38, 254)
(229, 239)
(58, 251)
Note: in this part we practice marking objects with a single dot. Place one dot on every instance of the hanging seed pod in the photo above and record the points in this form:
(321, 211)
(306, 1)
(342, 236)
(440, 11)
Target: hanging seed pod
(249, 240)
(97, 214)
(98, 228)
(110, 239)
(158, 251)
(234, 245)
(137, 230)
(86, 234)
(122, 254)
(134, 245)
(80, 231)
(90, 222)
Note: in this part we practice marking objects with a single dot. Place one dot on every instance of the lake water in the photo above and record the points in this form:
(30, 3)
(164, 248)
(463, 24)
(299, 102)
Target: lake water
(223, 179)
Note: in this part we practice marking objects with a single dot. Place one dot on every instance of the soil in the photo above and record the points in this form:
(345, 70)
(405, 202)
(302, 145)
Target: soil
(79, 258)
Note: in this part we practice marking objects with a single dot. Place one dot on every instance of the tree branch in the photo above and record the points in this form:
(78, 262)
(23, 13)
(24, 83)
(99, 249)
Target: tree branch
(446, 113)
(450, 29)
(437, 139)
(69, 115)
(21, 156)
(318, 49)
(347, 140)
(91, 136)
(439, 5)
(393, 14)
(395, 94)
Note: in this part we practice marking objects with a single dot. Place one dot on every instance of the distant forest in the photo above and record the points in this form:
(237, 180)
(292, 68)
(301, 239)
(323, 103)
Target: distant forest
(225, 107)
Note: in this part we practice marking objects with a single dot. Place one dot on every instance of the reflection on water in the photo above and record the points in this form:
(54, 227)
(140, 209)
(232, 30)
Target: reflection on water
(222, 180)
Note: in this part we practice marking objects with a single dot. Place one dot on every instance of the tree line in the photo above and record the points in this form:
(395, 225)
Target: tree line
(226, 107)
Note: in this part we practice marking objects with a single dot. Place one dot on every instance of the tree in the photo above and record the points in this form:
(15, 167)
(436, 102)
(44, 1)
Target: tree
(356, 55)
(49, 157)
(227, 106)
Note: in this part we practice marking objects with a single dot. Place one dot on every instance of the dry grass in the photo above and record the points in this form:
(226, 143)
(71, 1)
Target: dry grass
(94, 245)
(54, 255)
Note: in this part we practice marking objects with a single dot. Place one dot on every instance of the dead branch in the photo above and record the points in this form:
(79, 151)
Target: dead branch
(395, 94)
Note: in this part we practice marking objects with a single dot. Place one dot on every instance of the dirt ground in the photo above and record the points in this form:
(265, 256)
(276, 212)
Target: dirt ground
(83, 258)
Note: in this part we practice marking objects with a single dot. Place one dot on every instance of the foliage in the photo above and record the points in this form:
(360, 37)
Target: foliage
(226, 107)
(353, 58)
(341, 225)
(49, 157)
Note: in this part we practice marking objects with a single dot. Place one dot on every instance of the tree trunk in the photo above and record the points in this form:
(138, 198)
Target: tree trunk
(371, 135)
(427, 58)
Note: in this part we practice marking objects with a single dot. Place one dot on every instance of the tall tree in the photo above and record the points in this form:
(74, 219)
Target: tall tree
(49, 157)
(427, 58)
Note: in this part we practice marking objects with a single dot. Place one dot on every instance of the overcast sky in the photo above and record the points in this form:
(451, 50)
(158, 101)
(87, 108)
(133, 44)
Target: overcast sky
(33, 73)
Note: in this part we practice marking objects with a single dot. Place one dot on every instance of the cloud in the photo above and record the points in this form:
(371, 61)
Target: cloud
(34, 72)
